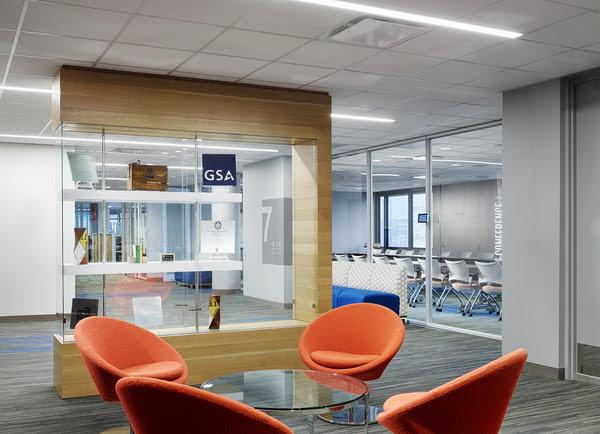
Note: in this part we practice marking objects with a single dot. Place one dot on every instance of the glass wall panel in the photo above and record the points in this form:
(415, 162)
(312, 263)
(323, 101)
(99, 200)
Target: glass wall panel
(349, 207)
(466, 221)
(398, 192)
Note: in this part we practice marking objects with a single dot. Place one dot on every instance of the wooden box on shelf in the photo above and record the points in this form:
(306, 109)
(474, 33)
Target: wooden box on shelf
(147, 177)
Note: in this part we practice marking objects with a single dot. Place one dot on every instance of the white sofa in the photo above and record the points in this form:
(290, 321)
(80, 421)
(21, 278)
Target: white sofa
(372, 277)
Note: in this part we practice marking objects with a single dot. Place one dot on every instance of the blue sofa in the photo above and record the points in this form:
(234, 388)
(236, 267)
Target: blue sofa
(342, 295)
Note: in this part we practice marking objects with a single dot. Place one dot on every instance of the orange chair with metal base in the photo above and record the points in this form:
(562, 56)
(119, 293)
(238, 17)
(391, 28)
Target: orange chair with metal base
(358, 340)
(159, 407)
(484, 394)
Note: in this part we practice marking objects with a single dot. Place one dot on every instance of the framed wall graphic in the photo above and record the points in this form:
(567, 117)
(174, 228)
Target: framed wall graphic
(277, 231)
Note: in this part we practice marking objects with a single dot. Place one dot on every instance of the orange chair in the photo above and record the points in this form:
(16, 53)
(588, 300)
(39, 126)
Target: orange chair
(158, 407)
(358, 340)
(113, 349)
(481, 395)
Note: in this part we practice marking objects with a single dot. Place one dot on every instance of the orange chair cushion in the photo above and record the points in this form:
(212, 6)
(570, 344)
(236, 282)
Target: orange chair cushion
(340, 360)
(398, 400)
(168, 371)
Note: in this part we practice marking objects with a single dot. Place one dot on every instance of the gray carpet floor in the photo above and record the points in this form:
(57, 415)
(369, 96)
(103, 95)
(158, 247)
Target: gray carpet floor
(29, 404)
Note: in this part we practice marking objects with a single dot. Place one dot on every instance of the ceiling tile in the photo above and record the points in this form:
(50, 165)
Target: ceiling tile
(269, 83)
(288, 73)
(11, 11)
(211, 64)
(455, 72)
(329, 54)
(29, 81)
(593, 47)
(60, 47)
(447, 43)
(513, 53)
(392, 63)
(565, 63)
(373, 100)
(113, 5)
(144, 57)
(41, 66)
(510, 79)
(437, 8)
(160, 32)
(3, 61)
(522, 16)
(6, 40)
(350, 80)
(243, 43)
(469, 110)
(132, 69)
(590, 4)
(293, 18)
(408, 87)
(219, 12)
(573, 32)
(462, 93)
(203, 76)
(75, 21)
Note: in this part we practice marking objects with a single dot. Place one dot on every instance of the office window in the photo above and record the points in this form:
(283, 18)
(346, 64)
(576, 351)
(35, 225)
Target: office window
(418, 229)
(398, 221)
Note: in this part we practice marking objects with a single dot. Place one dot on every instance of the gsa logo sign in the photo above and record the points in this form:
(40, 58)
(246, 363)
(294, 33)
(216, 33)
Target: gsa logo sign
(218, 169)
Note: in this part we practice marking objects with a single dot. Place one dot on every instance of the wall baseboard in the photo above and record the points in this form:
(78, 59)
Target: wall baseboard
(28, 318)
(545, 371)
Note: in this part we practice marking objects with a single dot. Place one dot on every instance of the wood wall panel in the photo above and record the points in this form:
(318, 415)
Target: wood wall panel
(208, 355)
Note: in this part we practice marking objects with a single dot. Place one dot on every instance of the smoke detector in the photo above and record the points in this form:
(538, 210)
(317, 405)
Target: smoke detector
(375, 32)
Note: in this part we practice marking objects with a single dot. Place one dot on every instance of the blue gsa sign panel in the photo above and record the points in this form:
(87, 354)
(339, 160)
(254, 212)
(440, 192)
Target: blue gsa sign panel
(218, 169)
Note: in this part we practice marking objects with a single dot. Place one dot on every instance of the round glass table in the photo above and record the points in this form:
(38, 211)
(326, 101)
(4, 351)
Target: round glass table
(292, 392)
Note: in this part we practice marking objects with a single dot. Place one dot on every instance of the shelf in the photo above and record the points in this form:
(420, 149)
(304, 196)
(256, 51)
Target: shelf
(70, 195)
(150, 267)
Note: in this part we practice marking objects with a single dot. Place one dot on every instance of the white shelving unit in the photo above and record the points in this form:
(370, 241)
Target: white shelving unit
(150, 267)
(149, 196)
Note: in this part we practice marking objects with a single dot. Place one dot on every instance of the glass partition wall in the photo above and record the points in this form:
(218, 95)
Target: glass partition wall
(436, 210)
(146, 240)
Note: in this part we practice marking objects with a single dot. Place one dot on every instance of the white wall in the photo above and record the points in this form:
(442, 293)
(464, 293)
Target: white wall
(532, 223)
(267, 179)
(349, 221)
(29, 176)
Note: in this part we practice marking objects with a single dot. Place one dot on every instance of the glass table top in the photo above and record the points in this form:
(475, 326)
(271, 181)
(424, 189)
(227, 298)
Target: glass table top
(290, 390)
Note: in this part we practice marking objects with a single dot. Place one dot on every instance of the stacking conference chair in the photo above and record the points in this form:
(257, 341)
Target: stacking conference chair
(490, 283)
(405, 252)
(462, 285)
(341, 257)
(391, 251)
(467, 255)
(377, 251)
(359, 258)
(158, 407)
(380, 260)
(414, 284)
(438, 281)
(445, 253)
(358, 340)
(472, 404)
(113, 349)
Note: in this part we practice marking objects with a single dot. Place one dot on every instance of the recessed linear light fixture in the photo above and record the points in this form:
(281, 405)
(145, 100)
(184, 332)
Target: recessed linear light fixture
(445, 148)
(419, 177)
(489, 163)
(362, 118)
(381, 174)
(422, 19)
(25, 89)
(132, 142)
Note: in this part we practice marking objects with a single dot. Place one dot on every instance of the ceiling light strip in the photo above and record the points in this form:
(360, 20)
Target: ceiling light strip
(26, 89)
(362, 118)
(423, 19)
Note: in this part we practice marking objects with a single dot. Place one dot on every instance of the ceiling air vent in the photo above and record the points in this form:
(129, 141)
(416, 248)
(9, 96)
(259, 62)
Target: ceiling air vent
(375, 32)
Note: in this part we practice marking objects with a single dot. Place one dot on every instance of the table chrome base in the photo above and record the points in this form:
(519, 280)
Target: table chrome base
(354, 416)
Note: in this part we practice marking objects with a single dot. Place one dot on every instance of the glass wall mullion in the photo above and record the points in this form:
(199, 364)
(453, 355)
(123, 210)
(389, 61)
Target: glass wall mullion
(428, 234)
(370, 219)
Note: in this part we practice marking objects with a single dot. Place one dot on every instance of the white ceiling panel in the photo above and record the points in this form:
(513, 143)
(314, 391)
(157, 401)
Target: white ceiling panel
(513, 53)
(243, 43)
(6, 40)
(350, 80)
(288, 73)
(165, 33)
(406, 87)
(3, 61)
(593, 47)
(392, 63)
(565, 63)
(67, 20)
(219, 12)
(293, 18)
(329, 54)
(269, 83)
(574, 32)
(41, 66)
(470, 110)
(510, 79)
(590, 4)
(438, 8)
(60, 47)
(374, 100)
(461, 93)
(203, 76)
(455, 72)
(144, 57)
(446, 43)
(211, 64)
(132, 68)
(11, 10)
(522, 15)
(29, 81)
(113, 5)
